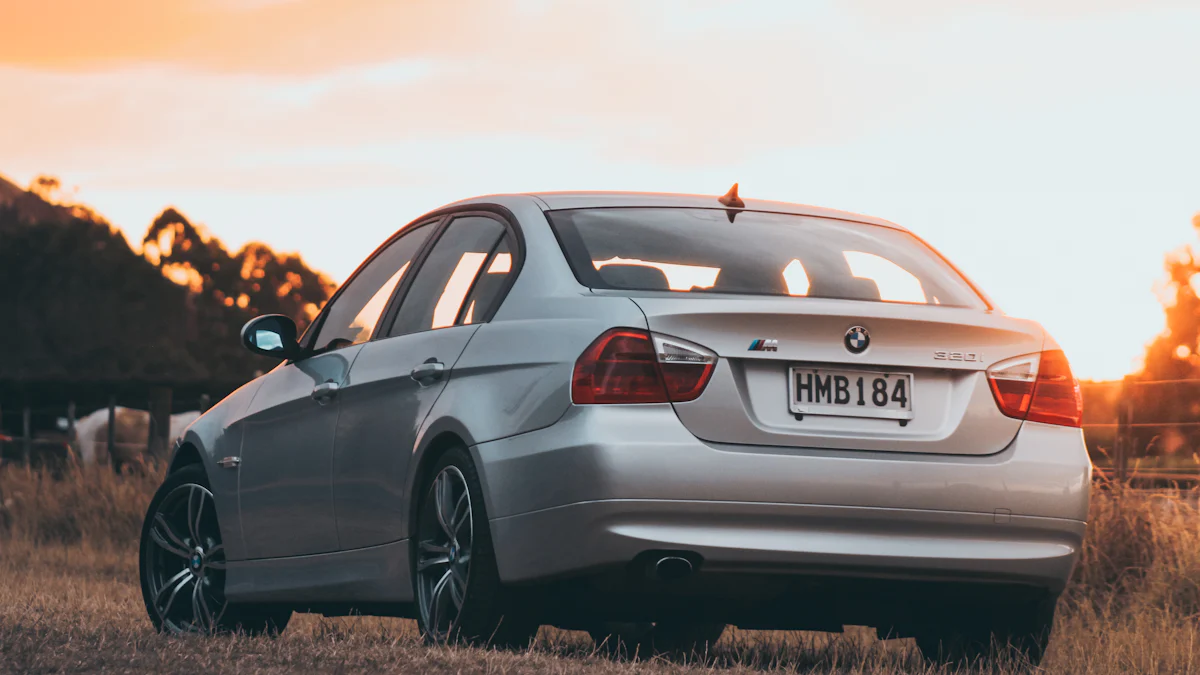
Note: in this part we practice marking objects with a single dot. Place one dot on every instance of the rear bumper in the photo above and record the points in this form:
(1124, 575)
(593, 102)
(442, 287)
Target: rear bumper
(609, 483)
(771, 539)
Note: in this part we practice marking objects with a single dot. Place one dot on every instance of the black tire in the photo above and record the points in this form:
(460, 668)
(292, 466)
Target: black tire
(644, 639)
(1019, 632)
(490, 613)
(175, 556)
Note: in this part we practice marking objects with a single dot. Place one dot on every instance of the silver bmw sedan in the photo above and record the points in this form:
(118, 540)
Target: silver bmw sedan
(645, 416)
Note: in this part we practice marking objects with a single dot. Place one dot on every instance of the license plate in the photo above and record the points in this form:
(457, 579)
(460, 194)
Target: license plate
(850, 393)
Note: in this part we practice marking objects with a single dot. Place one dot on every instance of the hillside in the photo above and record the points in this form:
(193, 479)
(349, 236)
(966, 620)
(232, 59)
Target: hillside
(8, 190)
(30, 207)
(84, 313)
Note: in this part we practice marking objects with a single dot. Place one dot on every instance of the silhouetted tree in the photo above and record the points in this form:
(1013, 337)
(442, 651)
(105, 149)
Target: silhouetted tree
(1173, 355)
(256, 279)
(78, 305)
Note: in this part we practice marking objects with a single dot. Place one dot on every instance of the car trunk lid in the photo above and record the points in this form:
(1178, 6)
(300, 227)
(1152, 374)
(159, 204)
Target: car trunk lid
(945, 350)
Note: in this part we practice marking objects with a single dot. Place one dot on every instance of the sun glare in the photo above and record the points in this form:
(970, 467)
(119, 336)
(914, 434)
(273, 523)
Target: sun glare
(369, 315)
(501, 265)
(796, 278)
(895, 283)
(446, 310)
(184, 275)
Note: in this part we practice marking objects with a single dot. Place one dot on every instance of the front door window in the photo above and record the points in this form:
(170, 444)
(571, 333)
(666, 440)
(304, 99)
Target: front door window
(357, 309)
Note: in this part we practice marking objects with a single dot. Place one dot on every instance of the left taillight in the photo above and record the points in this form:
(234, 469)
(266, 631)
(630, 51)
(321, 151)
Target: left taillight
(630, 365)
(686, 367)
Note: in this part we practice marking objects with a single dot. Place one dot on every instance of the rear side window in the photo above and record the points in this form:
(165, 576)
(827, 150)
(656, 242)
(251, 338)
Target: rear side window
(489, 285)
(749, 252)
(439, 292)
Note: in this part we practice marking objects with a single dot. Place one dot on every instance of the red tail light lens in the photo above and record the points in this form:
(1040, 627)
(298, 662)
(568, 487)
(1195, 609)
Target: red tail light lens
(1056, 399)
(627, 365)
(1038, 388)
(618, 367)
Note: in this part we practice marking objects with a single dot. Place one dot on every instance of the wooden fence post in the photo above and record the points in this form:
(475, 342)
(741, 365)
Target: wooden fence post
(71, 440)
(26, 434)
(160, 421)
(149, 451)
(1124, 430)
(112, 432)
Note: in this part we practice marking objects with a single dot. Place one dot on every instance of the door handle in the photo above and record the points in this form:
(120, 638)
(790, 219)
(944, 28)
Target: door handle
(325, 392)
(429, 372)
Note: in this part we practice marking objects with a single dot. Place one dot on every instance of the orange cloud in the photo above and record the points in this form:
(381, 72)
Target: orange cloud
(221, 89)
(605, 73)
(289, 36)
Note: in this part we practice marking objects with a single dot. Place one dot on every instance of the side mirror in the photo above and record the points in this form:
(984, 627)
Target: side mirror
(271, 335)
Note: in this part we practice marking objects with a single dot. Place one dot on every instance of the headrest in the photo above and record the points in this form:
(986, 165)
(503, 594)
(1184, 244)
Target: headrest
(638, 277)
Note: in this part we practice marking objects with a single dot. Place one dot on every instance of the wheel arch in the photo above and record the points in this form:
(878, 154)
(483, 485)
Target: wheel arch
(431, 452)
(194, 449)
(187, 455)
(439, 436)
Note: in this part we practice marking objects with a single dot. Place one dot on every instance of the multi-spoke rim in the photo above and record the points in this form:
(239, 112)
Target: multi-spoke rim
(445, 533)
(186, 560)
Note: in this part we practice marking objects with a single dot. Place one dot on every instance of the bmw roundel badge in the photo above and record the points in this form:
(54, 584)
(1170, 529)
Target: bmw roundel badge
(857, 339)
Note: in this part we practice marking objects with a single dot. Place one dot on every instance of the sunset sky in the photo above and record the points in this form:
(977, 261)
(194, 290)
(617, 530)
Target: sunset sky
(1051, 148)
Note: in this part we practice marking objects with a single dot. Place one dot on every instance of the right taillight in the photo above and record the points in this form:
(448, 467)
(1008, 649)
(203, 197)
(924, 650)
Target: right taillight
(630, 365)
(1037, 388)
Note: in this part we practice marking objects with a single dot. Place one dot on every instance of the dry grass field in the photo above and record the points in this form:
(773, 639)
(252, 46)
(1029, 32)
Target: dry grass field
(69, 603)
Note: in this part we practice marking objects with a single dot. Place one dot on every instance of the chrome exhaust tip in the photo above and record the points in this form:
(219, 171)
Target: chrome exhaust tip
(672, 568)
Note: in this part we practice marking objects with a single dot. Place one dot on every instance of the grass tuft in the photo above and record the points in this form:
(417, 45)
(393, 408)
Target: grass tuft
(84, 505)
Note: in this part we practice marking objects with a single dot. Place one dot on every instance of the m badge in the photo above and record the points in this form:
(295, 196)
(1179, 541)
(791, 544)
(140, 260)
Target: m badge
(764, 345)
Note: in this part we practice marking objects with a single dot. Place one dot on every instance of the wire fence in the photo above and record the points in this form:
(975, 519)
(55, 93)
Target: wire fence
(1139, 431)
(115, 431)
(1145, 432)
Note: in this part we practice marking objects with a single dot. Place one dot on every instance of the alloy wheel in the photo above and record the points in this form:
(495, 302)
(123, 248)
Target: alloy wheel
(445, 533)
(185, 566)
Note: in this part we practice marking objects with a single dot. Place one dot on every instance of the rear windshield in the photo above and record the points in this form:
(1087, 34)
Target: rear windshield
(700, 250)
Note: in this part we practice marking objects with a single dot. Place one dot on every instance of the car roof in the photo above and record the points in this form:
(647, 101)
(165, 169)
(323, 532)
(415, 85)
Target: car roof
(555, 201)
(583, 200)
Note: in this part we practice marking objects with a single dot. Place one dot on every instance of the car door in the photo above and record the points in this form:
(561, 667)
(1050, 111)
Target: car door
(396, 380)
(285, 490)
